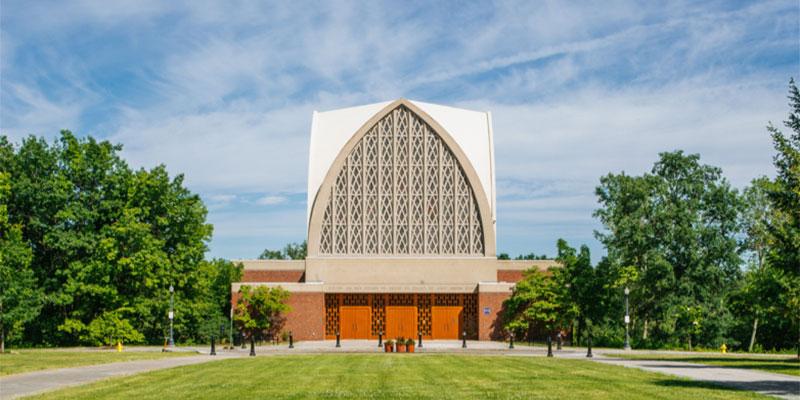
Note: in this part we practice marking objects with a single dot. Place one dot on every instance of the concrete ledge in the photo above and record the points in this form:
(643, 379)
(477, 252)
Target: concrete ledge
(294, 287)
(359, 288)
(273, 265)
(495, 287)
(522, 265)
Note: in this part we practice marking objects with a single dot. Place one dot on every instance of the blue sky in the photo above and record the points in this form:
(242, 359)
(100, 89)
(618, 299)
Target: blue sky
(223, 93)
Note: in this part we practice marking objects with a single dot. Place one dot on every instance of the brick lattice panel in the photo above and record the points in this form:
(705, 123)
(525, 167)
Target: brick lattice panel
(331, 314)
(401, 299)
(447, 299)
(355, 299)
(424, 315)
(378, 313)
(471, 315)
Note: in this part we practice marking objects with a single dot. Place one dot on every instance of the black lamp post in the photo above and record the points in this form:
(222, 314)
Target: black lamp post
(464, 340)
(511, 340)
(171, 314)
(291, 340)
(419, 342)
(380, 339)
(627, 320)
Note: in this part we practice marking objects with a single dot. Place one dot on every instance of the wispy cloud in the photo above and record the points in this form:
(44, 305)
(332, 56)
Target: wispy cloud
(224, 93)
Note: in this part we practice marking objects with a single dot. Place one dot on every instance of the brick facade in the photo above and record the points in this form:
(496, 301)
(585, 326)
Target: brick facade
(307, 318)
(509, 275)
(273, 276)
(490, 327)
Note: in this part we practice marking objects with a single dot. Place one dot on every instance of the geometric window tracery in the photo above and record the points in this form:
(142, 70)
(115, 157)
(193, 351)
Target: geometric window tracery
(401, 191)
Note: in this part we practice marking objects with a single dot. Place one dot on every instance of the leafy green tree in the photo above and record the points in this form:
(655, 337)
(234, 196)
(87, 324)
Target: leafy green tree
(260, 309)
(531, 256)
(292, 251)
(503, 256)
(784, 226)
(535, 303)
(20, 298)
(104, 237)
(578, 288)
(672, 236)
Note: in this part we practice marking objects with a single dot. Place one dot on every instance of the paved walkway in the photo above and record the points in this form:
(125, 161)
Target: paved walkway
(777, 385)
(26, 384)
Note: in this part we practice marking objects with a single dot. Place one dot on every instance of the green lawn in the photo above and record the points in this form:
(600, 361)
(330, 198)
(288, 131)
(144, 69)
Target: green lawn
(781, 364)
(380, 376)
(19, 361)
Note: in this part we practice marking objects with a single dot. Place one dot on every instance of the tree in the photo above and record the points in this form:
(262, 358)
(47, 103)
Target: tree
(503, 256)
(578, 288)
(20, 298)
(535, 303)
(784, 226)
(292, 251)
(671, 235)
(259, 309)
(104, 237)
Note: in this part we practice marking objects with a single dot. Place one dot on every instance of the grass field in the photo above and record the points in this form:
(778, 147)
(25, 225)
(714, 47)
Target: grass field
(788, 365)
(20, 361)
(399, 376)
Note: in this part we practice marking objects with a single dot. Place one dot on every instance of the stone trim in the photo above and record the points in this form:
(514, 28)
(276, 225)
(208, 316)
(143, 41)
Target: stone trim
(522, 265)
(359, 288)
(273, 265)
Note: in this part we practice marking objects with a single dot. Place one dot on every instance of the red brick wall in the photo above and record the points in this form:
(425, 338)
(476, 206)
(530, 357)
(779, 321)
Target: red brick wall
(306, 320)
(490, 327)
(273, 276)
(509, 275)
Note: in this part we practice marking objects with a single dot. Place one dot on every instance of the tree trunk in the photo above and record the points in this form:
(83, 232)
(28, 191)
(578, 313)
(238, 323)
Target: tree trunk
(690, 342)
(753, 336)
(644, 331)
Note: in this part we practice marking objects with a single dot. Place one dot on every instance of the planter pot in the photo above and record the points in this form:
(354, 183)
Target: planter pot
(387, 348)
(401, 348)
(410, 348)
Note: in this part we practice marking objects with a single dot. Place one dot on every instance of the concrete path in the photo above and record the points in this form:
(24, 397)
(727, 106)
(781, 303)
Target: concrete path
(26, 384)
(770, 384)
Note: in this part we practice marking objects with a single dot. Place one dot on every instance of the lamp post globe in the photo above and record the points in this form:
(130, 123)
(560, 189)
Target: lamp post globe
(171, 314)
(627, 320)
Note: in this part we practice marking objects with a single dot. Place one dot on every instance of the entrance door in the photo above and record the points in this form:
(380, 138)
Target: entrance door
(354, 322)
(401, 321)
(446, 322)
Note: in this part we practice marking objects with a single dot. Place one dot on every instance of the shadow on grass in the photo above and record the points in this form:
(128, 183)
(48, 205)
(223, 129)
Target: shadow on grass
(789, 366)
(775, 388)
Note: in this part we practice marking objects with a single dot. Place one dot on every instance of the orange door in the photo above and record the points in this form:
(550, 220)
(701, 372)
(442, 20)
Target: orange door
(446, 322)
(354, 322)
(401, 321)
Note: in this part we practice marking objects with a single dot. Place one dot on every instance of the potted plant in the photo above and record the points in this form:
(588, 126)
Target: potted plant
(388, 346)
(401, 345)
(410, 345)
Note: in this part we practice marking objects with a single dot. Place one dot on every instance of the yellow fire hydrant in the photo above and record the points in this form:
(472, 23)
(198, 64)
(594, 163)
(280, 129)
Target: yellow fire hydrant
(119, 347)
(724, 348)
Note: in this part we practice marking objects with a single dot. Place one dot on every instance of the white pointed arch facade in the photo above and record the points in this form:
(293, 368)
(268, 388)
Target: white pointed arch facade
(401, 186)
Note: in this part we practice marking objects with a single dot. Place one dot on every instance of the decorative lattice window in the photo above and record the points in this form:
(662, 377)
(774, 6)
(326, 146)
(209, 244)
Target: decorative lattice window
(471, 315)
(331, 314)
(424, 315)
(378, 313)
(401, 191)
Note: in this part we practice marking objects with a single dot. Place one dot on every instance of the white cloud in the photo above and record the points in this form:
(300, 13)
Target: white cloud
(271, 200)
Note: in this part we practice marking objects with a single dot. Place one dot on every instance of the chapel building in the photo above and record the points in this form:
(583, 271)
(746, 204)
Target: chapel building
(401, 228)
